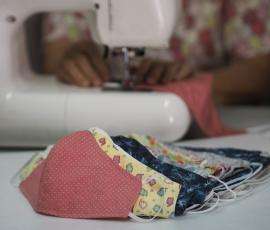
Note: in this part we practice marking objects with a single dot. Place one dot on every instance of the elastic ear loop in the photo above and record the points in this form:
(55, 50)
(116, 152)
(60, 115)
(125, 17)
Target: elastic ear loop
(197, 211)
(210, 196)
(142, 220)
(240, 180)
(227, 188)
(252, 183)
(259, 181)
(260, 166)
(194, 206)
(243, 193)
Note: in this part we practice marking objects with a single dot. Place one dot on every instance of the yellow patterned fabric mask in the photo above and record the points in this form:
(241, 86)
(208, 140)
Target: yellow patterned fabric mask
(158, 195)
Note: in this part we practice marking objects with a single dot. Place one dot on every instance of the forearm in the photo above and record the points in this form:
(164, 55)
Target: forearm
(53, 53)
(243, 81)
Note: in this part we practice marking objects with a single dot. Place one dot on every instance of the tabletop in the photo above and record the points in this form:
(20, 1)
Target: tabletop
(250, 213)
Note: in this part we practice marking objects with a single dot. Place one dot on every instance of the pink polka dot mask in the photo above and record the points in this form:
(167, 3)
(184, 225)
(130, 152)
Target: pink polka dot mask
(78, 180)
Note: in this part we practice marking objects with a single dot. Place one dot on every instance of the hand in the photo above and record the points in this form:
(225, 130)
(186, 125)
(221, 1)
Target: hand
(83, 66)
(154, 72)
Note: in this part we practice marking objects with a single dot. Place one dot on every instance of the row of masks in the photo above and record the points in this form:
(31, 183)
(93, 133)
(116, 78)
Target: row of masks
(89, 174)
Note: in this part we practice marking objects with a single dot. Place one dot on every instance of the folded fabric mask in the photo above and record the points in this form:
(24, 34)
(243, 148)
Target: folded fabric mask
(166, 154)
(195, 188)
(203, 163)
(257, 161)
(211, 160)
(158, 196)
(77, 180)
(248, 155)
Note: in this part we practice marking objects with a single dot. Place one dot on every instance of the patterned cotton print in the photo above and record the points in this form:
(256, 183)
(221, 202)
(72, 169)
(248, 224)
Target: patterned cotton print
(194, 187)
(158, 196)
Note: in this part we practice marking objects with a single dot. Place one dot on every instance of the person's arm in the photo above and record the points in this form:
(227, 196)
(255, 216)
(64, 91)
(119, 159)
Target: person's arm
(83, 65)
(243, 81)
(53, 52)
(68, 51)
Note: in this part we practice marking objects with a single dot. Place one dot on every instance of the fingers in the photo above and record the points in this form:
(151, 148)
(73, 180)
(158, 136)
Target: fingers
(100, 67)
(155, 74)
(142, 70)
(83, 66)
(73, 75)
(149, 72)
(184, 72)
(88, 70)
(170, 72)
(94, 56)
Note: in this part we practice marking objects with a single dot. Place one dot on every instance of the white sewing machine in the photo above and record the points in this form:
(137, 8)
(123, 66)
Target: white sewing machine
(35, 111)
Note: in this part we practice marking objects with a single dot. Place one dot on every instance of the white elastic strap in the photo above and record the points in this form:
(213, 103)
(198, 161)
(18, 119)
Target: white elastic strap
(242, 193)
(247, 191)
(226, 186)
(195, 206)
(198, 211)
(256, 181)
(139, 219)
(260, 166)
(199, 206)
(233, 183)
(259, 181)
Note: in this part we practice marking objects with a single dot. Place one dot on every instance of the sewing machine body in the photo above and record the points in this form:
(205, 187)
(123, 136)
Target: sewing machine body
(35, 111)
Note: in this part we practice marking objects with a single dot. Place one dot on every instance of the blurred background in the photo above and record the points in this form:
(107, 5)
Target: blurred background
(230, 39)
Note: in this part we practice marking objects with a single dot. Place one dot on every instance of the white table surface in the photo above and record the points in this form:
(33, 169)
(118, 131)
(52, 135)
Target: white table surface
(250, 213)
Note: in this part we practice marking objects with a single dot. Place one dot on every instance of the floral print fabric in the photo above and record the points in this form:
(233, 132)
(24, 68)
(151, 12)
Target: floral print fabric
(246, 27)
(158, 195)
(205, 32)
(194, 187)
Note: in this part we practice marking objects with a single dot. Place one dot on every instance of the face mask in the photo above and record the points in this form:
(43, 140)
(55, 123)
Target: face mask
(158, 196)
(195, 188)
(166, 155)
(236, 170)
(247, 155)
(77, 180)
(226, 163)
(202, 163)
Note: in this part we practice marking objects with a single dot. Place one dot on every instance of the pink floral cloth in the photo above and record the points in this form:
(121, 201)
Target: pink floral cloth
(206, 30)
(246, 27)
(197, 38)
(67, 26)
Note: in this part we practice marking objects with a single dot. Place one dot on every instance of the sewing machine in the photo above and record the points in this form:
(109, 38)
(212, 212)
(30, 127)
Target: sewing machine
(35, 111)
